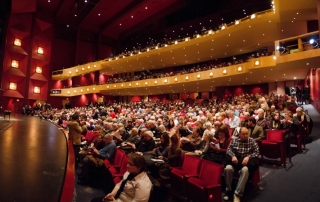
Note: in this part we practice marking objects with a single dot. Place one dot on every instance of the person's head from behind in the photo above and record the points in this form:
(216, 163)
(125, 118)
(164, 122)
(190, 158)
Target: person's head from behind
(244, 134)
(136, 164)
(148, 135)
(75, 116)
(299, 111)
(252, 122)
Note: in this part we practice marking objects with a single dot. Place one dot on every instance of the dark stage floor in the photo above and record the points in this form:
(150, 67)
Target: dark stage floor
(33, 159)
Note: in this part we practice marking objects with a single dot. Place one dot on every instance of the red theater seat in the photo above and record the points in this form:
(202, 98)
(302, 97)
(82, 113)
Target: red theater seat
(206, 188)
(190, 168)
(273, 146)
(116, 161)
(117, 174)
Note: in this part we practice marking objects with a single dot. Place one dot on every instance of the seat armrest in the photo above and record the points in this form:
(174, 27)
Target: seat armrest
(195, 175)
(117, 175)
(213, 186)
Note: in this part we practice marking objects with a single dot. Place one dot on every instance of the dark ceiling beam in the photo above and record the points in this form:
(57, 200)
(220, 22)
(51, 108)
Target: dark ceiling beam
(58, 9)
(120, 14)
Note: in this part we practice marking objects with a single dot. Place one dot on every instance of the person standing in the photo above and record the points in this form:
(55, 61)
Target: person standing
(75, 131)
(241, 157)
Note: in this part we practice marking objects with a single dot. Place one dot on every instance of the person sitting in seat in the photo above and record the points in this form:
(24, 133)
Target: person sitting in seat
(255, 131)
(241, 157)
(145, 144)
(192, 141)
(135, 185)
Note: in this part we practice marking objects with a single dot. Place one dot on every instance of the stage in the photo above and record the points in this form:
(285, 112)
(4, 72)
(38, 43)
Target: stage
(33, 159)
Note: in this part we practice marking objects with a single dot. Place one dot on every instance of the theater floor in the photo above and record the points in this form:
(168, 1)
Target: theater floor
(33, 160)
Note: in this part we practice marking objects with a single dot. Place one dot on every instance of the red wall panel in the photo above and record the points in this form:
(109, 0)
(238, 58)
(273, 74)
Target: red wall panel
(86, 52)
(62, 54)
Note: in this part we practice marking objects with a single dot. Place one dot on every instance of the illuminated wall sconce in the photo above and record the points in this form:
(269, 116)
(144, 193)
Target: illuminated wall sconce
(198, 36)
(210, 32)
(40, 50)
(155, 81)
(93, 88)
(198, 76)
(75, 91)
(257, 63)
(77, 70)
(123, 56)
(139, 52)
(165, 45)
(87, 89)
(239, 69)
(176, 42)
(108, 87)
(253, 16)
(137, 84)
(69, 72)
(274, 57)
(12, 86)
(237, 22)
(224, 71)
(187, 39)
(156, 47)
(17, 42)
(115, 86)
(223, 27)
(146, 83)
(211, 74)
(187, 77)
(15, 63)
(82, 68)
(94, 65)
(121, 85)
(88, 67)
(68, 92)
(81, 90)
(176, 79)
(39, 70)
(129, 84)
(130, 54)
(148, 49)
(116, 58)
(166, 80)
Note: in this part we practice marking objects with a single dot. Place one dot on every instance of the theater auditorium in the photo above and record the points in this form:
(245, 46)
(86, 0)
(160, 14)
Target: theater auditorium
(159, 100)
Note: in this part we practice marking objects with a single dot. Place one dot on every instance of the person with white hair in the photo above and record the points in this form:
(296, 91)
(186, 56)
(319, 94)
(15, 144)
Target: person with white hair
(145, 144)
(234, 121)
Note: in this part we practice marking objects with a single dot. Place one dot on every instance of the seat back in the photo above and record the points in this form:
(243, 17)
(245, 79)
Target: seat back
(123, 167)
(210, 173)
(191, 165)
(116, 161)
(275, 135)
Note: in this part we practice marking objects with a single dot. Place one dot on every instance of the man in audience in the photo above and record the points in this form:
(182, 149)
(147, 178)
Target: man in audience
(244, 123)
(154, 129)
(241, 157)
(145, 144)
(255, 131)
(192, 141)
(96, 156)
(234, 121)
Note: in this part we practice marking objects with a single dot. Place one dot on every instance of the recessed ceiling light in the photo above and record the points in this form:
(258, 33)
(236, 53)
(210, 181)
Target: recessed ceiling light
(131, 16)
(120, 24)
(146, 7)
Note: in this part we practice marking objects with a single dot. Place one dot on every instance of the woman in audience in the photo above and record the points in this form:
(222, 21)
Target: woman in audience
(208, 137)
(275, 122)
(170, 124)
(217, 151)
(135, 185)
(172, 158)
(163, 148)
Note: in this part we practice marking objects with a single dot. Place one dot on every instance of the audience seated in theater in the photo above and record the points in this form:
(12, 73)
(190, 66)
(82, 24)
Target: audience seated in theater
(204, 145)
(234, 121)
(153, 128)
(96, 157)
(217, 151)
(145, 144)
(275, 122)
(261, 120)
(135, 185)
(244, 123)
(241, 156)
(223, 118)
(255, 131)
(192, 141)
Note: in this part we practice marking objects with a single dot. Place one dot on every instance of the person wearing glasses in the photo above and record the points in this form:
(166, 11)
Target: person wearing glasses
(135, 185)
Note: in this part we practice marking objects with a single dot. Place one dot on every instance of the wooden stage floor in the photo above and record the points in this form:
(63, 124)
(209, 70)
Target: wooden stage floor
(33, 159)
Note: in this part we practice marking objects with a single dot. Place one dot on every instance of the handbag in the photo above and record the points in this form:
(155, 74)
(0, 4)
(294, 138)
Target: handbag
(95, 161)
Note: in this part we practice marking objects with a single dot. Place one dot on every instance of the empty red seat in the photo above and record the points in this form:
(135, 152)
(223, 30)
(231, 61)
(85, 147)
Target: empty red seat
(274, 146)
(117, 174)
(116, 161)
(208, 186)
(191, 166)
